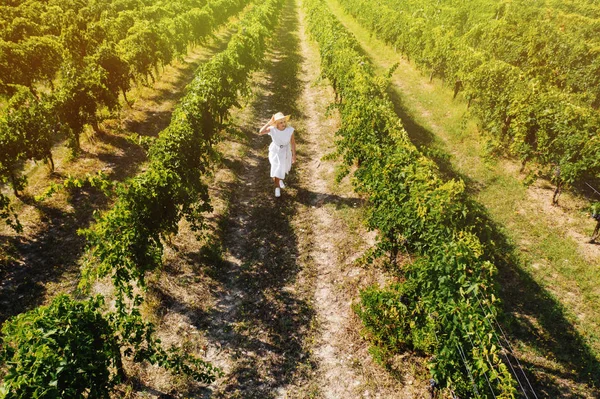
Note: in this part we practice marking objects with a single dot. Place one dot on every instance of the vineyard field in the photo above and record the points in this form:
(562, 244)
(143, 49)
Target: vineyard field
(436, 237)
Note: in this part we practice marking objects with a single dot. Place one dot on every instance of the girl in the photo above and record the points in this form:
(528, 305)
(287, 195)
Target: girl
(282, 151)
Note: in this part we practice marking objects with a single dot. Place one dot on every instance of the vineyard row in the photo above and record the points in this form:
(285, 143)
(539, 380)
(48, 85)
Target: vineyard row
(525, 116)
(59, 72)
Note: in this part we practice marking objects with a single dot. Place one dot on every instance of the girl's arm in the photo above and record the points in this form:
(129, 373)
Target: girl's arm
(265, 128)
(293, 141)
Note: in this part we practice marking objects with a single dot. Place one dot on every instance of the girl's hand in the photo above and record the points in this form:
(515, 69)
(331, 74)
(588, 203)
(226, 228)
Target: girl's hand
(294, 158)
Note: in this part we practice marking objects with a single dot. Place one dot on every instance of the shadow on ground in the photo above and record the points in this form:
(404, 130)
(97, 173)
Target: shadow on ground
(271, 317)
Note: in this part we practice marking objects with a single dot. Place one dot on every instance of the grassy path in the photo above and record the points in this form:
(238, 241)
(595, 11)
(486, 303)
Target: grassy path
(549, 280)
(44, 260)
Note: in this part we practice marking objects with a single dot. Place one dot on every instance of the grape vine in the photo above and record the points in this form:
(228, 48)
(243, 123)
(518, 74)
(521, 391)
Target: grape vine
(534, 88)
(61, 65)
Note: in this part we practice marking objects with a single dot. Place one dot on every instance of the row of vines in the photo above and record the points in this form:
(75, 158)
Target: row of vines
(62, 63)
(533, 83)
(75, 348)
(443, 302)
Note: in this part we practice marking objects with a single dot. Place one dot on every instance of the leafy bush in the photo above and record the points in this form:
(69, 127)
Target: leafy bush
(72, 349)
(531, 80)
(62, 350)
(87, 54)
(126, 241)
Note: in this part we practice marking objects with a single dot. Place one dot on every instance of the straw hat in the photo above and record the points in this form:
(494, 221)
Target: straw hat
(279, 116)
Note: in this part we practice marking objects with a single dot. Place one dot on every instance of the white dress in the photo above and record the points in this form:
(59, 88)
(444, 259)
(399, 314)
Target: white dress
(280, 151)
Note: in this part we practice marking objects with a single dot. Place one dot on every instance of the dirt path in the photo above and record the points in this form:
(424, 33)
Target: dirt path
(272, 304)
(44, 260)
(260, 325)
(346, 369)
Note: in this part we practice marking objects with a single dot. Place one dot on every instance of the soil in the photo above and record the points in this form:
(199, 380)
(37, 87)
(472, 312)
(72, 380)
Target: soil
(564, 217)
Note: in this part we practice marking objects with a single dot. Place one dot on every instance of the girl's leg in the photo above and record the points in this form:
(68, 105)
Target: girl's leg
(277, 188)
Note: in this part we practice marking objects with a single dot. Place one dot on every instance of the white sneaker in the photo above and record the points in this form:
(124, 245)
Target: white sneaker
(281, 184)
(277, 192)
